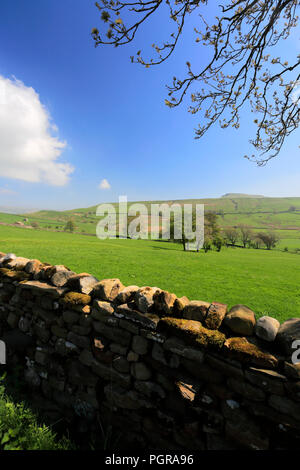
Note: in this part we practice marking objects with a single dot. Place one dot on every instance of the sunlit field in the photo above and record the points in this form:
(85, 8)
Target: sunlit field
(266, 281)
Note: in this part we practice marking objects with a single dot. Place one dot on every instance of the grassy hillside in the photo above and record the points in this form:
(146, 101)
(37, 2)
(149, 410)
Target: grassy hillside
(281, 215)
(230, 203)
(266, 281)
(240, 195)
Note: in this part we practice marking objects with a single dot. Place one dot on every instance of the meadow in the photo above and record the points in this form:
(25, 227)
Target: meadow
(266, 281)
(281, 215)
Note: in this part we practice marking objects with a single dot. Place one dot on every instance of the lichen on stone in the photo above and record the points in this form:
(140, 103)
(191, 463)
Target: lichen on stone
(75, 298)
(244, 351)
(193, 332)
(14, 275)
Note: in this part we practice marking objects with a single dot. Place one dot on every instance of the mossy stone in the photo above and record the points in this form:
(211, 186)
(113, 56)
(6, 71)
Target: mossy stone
(193, 332)
(14, 275)
(75, 298)
(244, 351)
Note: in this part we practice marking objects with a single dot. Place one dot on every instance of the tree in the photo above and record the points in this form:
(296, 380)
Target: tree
(232, 235)
(245, 234)
(211, 227)
(218, 242)
(70, 226)
(207, 244)
(269, 239)
(35, 225)
(243, 68)
(256, 242)
(212, 231)
(183, 239)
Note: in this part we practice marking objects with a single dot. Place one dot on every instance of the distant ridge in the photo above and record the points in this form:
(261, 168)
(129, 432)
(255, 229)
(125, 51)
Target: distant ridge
(16, 210)
(257, 212)
(240, 195)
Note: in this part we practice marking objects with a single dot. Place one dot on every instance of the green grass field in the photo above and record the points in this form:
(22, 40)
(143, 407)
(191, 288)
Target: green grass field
(266, 281)
(281, 215)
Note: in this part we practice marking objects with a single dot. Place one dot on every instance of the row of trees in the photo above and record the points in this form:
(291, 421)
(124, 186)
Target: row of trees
(214, 237)
(212, 233)
(69, 227)
(249, 239)
(242, 235)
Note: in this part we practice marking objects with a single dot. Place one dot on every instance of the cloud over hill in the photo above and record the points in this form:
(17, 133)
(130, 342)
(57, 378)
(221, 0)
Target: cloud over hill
(29, 150)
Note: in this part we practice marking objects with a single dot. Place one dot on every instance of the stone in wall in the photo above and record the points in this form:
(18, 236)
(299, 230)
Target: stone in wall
(193, 332)
(126, 295)
(288, 332)
(108, 289)
(196, 310)
(144, 298)
(267, 328)
(164, 302)
(146, 320)
(179, 305)
(241, 320)
(244, 351)
(215, 315)
(83, 283)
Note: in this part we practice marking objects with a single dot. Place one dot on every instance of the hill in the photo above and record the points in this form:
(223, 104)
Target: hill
(257, 212)
(240, 195)
(228, 203)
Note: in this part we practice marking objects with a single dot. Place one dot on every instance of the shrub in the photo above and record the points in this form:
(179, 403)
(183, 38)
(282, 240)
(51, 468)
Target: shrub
(70, 226)
(218, 242)
(20, 430)
(207, 245)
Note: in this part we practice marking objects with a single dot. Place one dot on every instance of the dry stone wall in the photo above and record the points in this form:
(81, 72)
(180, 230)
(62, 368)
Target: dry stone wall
(165, 372)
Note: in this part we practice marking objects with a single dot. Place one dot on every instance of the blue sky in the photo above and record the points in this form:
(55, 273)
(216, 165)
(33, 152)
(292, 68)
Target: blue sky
(112, 123)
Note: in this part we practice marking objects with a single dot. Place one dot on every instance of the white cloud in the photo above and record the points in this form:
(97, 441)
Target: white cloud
(28, 150)
(7, 191)
(104, 184)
